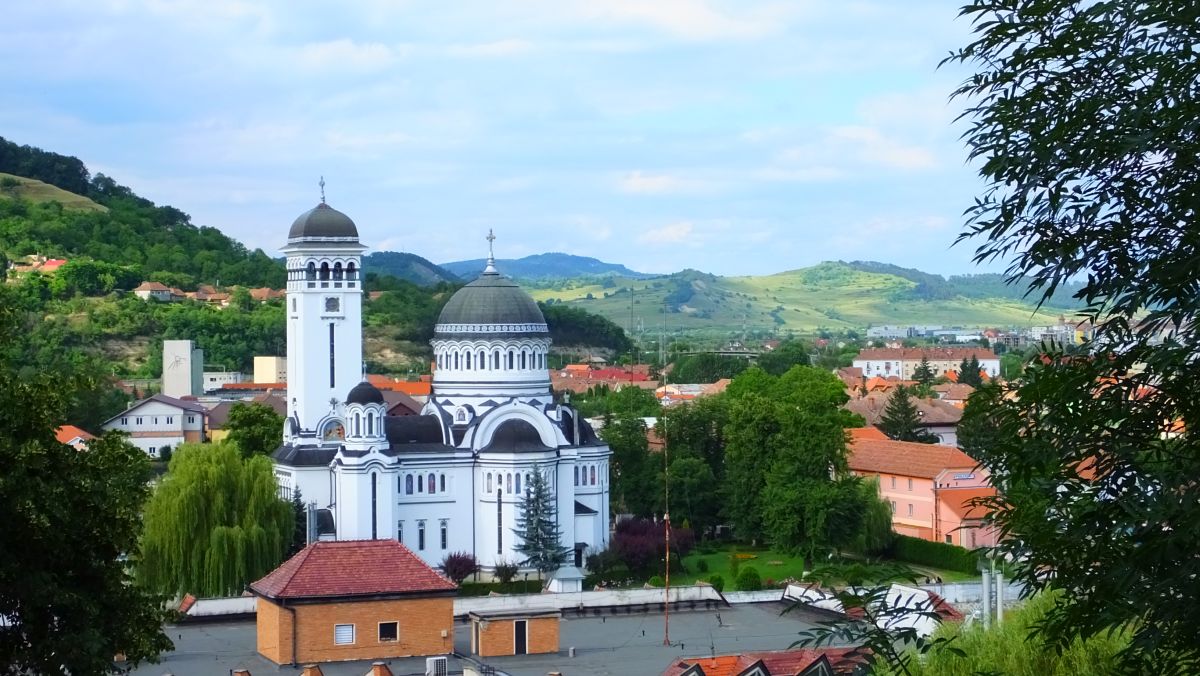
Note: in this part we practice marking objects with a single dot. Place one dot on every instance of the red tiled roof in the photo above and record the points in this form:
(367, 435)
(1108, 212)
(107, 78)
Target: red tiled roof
(868, 432)
(930, 353)
(66, 433)
(352, 568)
(53, 264)
(932, 411)
(777, 662)
(958, 501)
(906, 458)
(152, 286)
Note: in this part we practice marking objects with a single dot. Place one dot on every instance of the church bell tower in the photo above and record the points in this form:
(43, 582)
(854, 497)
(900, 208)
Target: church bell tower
(324, 322)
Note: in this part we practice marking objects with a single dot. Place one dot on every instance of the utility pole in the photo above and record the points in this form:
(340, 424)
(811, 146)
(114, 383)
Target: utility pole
(667, 531)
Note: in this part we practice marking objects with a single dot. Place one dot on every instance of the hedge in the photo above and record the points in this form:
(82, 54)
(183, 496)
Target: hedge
(936, 554)
(514, 587)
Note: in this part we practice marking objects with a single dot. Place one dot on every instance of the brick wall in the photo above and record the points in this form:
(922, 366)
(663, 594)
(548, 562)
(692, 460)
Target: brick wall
(496, 637)
(421, 623)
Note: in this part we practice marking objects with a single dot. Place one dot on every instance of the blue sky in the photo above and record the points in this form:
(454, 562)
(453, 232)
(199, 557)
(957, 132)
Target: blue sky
(732, 137)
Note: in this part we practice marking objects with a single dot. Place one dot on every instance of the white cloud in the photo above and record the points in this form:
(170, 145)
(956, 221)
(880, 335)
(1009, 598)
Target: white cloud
(638, 183)
(689, 19)
(509, 47)
(673, 233)
(344, 54)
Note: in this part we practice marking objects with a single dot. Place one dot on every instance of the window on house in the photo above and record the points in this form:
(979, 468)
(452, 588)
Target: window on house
(124, 421)
(191, 419)
(153, 450)
(893, 506)
(518, 483)
(420, 483)
(432, 483)
(910, 509)
(170, 420)
(343, 634)
(593, 475)
(421, 535)
(910, 484)
(445, 534)
(949, 540)
(389, 631)
(137, 421)
(442, 483)
(400, 531)
(408, 484)
(576, 476)
(155, 420)
(508, 483)
(893, 482)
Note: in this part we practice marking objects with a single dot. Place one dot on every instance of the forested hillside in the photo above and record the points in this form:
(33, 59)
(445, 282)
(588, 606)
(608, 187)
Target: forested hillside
(407, 266)
(160, 241)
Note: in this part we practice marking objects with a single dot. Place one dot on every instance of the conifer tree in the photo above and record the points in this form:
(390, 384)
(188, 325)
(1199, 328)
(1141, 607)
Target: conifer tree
(537, 526)
(901, 420)
(968, 372)
(924, 372)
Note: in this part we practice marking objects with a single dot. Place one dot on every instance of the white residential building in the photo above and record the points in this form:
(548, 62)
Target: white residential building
(900, 362)
(160, 421)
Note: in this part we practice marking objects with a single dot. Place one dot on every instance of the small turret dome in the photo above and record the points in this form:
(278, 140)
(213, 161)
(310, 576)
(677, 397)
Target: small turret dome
(323, 221)
(365, 393)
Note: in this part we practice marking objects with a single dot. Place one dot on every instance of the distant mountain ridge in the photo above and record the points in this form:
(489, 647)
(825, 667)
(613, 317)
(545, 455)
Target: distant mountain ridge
(407, 266)
(546, 266)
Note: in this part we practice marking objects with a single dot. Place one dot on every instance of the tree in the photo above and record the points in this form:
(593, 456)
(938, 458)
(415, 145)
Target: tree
(923, 374)
(300, 523)
(214, 524)
(537, 526)
(632, 472)
(968, 372)
(255, 428)
(789, 353)
(692, 490)
(71, 518)
(1082, 116)
(901, 420)
(458, 566)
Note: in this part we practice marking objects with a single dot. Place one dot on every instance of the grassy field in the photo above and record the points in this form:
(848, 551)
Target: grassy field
(827, 296)
(772, 565)
(37, 191)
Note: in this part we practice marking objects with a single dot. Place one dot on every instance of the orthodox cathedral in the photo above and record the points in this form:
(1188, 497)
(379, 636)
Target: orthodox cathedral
(449, 479)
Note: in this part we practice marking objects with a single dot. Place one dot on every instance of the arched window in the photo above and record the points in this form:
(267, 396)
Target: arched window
(518, 484)
(527, 480)
(408, 487)
(370, 423)
(456, 361)
(432, 483)
(496, 360)
(510, 360)
(337, 271)
(357, 424)
(467, 363)
(351, 272)
(461, 416)
(489, 483)
(482, 357)
(324, 271)
(593, 475)
(508, 484)
(577, 475)
(442, 483)
(310, 273)
(523, 353)
(420, 483)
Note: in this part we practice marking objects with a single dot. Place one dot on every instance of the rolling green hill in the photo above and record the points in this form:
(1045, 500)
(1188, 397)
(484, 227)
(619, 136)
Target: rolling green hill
(409, 267)
(33, 190)
(831, 295)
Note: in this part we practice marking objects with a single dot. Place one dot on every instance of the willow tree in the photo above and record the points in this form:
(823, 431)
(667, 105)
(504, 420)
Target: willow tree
(214, 524)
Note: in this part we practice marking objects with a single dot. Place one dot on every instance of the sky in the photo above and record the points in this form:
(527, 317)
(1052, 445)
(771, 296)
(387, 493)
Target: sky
(731, 137)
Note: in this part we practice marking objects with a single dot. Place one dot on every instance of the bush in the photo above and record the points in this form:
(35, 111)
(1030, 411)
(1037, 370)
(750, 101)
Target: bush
(505, 572)
(749, 579)
(164, 454)
(603, 562)
(702, 566)
(657, 581)
(717, 582)
(485, 588)
(935, 554)
(458, 566)
(734, 563)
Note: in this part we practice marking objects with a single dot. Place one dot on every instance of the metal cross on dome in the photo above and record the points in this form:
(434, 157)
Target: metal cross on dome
(491, 260)
(322, 184)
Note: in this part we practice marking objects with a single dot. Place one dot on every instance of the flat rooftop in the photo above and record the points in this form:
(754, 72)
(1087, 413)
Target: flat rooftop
(609, 645)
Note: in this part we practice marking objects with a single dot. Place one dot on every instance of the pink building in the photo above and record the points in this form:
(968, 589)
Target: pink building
(929, 487)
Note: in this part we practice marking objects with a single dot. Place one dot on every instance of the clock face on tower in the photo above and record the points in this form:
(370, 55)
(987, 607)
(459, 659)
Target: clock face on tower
(332, 305)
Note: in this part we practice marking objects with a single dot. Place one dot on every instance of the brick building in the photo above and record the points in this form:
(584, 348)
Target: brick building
(354, 600)
(527, 631)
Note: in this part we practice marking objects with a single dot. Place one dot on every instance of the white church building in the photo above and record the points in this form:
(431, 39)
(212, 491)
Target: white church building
(450, 479)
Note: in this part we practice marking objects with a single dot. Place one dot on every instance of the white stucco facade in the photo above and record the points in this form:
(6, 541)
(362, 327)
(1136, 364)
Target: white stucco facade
(452, 478)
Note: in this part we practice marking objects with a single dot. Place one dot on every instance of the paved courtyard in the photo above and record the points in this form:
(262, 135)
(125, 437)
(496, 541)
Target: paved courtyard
(610, 645)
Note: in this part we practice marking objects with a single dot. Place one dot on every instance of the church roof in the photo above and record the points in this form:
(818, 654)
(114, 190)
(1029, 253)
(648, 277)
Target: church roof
(364, 393)
(413, 429)
(304, 456)
(347, 568)
(516, 436)
(490, 299)
(323, 221)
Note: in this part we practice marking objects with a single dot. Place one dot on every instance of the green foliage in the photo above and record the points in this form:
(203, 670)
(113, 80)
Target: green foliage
(510, 587)
(702, 566)
(633, 471)
(537, 527)
(749, 579)
(901, 420)
(300, 523)
(1085, 133)
(505, 572)
(255, 428)
(936, 554)
(602, 400)
(575, 326)
(71, 517)
(717, 583)
(692, 488)
(968, 372)
(876, 535)
(214, 524)
(656, 581)
(706, 367)
(923, 374)
(1015, 648)
(93, 278)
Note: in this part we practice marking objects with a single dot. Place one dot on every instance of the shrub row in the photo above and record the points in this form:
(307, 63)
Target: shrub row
(485, 588)
(936, 554)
